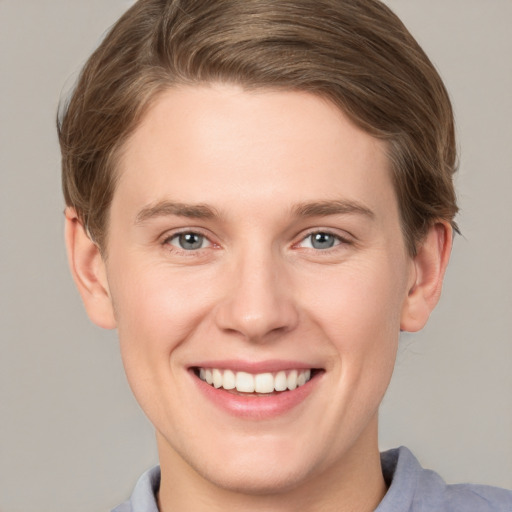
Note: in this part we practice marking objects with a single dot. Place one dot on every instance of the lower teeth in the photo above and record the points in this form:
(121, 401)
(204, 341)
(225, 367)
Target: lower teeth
(242, 393)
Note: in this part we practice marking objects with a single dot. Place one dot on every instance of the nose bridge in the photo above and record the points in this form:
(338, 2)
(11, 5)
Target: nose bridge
(258, 301)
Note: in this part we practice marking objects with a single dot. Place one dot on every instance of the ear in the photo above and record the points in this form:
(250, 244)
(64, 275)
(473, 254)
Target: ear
(89, 272)
(428, 269)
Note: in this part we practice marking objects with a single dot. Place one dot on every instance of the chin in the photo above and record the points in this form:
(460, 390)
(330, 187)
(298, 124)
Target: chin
(261, 466)
(255, 479)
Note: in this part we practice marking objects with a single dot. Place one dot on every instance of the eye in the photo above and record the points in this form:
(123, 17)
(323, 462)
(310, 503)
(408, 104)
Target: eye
(189, 241)
(320, 240)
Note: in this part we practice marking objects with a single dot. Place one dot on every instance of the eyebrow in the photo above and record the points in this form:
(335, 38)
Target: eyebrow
(336, 207)
(204, 211)
(166, 208)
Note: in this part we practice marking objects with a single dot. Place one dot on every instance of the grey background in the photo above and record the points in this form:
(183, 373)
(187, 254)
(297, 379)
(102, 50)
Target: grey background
(71, 436)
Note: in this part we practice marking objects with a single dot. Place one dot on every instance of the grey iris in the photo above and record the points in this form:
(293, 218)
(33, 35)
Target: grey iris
(190, 241)
(322, 240)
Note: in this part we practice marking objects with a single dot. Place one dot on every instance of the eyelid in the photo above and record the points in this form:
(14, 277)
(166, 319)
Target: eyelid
(164, 240)
(342, 240)
(177, 235)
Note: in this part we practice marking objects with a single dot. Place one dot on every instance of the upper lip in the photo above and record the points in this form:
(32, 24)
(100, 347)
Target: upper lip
(255, 367)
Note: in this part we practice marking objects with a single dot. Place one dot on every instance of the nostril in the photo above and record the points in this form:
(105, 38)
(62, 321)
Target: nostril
(255, 318)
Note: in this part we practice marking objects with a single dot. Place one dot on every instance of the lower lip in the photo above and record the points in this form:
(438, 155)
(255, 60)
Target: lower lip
(256, 407)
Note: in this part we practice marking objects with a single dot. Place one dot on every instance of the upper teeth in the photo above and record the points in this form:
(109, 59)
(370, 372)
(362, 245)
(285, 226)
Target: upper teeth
(259, 382)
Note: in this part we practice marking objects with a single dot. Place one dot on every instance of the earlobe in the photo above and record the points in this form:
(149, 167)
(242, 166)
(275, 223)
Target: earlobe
(89, 272)
(429, 266)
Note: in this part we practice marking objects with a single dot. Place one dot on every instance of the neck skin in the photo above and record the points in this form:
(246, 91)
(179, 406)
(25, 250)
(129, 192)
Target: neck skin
(354, 484)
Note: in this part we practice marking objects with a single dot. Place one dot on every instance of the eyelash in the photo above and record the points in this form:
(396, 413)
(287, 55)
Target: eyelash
(339, 241)
(190, 252)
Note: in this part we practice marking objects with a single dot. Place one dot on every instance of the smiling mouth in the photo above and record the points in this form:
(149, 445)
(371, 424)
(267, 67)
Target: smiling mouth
(259, 384)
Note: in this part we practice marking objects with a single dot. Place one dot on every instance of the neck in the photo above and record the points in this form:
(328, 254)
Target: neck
(353, 483)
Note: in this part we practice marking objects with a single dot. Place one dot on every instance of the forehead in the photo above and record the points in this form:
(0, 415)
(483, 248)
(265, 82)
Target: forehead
(228, 147)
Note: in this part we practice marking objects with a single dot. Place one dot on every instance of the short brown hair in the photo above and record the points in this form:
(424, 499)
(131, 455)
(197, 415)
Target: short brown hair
(356, 53)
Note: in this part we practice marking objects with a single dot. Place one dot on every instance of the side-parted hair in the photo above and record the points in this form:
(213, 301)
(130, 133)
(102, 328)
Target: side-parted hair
(355, 53)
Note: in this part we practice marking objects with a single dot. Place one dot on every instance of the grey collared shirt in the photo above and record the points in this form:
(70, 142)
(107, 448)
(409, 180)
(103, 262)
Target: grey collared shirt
(411, 489)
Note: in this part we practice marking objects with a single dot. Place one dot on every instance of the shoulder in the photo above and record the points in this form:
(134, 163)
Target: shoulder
(481, 498)
(143, 498)
(124, 507)
(414, 489)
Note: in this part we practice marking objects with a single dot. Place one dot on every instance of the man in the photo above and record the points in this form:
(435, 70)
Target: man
(259, 198)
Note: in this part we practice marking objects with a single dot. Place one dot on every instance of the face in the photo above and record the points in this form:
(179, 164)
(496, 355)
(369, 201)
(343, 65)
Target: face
(258, 277)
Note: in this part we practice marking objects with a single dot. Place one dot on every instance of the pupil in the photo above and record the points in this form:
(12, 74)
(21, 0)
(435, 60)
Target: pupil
(322, 241)
(191, 241)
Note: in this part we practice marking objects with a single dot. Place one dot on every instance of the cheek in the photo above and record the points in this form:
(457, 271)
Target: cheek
(359, 308)
(156, 311)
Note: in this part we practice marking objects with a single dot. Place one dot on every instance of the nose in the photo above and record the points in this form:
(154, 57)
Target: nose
(259, 303)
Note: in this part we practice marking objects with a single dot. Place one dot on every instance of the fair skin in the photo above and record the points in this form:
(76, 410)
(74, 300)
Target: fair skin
(258, 232)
